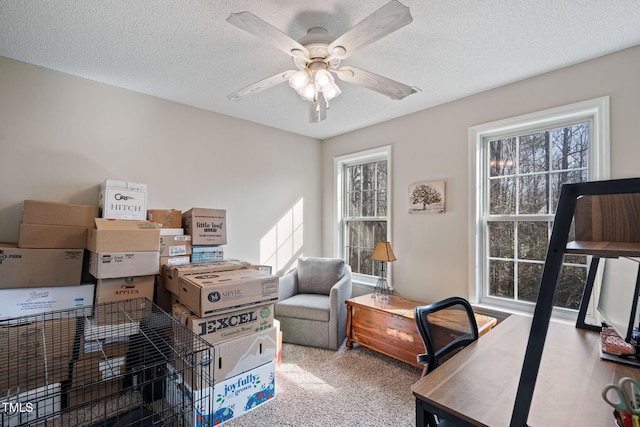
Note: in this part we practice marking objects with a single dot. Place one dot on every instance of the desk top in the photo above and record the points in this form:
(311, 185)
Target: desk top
(480, 382)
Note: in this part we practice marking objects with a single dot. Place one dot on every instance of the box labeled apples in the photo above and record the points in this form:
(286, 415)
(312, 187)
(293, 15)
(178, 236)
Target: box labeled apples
(206, 226)
(123, 288)
(123, 236)
(123, 200)
(173, 272)
(219, 292)
(222, 327)
(106, 265)
(29, 268)
(225, 400)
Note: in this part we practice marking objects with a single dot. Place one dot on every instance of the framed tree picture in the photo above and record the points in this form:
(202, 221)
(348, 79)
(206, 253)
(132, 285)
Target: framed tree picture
(427, 197)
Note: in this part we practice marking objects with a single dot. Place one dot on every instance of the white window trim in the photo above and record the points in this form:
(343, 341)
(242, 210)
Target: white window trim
(379, 153)
(597, 109)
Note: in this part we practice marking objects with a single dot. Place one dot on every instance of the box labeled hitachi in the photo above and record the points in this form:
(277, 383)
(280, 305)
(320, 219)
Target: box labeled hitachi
(123, 288)
(215, 293)
(29, 268)
(123, 200)
(107, 265)
(123, 236)
(52, 213)
(175, 245)
(225, 400)
(206, 226)
(215, 329)
(165, 218)
(173, 272)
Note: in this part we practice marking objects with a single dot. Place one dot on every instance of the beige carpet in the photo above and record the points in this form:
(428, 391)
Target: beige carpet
(348, 387)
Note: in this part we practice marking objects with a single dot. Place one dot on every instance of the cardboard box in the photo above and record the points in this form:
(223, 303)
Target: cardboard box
(206, 226)
(224, 291)
(123, 288)
(28, 268)
(44, 236)
(110, 326)
(106, 347)
(31, 301)
(95, 378)
(165, 218)
(123, 236)
(223, 327)
(173, 245)
(24, 408)
(51, 213)
(35, 353)
(172, 273)
(225, 400)
(207, 253)
(174, 261)
(123, 200)
(171, 231)
(107, 265)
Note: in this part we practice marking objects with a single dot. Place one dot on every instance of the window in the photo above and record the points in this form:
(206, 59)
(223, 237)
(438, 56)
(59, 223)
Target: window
(362, 181)
(520, 165)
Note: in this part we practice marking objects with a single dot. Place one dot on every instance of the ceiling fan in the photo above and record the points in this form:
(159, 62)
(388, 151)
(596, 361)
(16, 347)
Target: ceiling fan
(317, 56)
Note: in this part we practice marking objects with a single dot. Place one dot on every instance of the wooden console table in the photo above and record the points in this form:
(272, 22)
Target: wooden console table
(388, 327)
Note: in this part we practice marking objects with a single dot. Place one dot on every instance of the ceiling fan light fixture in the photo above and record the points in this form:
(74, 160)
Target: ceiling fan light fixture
(299, 80)
(309, 92)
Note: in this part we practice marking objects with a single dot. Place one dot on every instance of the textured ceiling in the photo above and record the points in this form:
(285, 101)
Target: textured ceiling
(184, 51)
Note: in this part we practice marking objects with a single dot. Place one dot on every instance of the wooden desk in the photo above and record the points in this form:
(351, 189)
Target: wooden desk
(479, 384)
(389, 327)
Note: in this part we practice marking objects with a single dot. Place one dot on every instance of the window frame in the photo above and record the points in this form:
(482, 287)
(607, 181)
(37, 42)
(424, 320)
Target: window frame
(340, 163)
(597, 112)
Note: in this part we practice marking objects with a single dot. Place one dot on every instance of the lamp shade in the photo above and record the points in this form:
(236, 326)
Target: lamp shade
(383, 252)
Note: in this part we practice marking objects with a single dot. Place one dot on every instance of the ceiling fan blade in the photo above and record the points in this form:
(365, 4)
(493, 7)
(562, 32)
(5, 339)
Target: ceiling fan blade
(261, 85)
(383, 85)
(384, 21)
(252, 24)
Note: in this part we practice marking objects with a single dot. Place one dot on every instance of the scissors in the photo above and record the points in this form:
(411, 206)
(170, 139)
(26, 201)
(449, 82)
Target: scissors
(626, 401)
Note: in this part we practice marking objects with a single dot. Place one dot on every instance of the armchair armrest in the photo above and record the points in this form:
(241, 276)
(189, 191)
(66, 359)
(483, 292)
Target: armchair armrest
(288, 285)
(342, 290)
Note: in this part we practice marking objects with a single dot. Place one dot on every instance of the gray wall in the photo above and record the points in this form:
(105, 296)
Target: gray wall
(432, 250)
(61, 136)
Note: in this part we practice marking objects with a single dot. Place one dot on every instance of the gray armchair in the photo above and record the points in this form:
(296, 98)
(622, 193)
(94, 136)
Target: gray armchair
(311, 302)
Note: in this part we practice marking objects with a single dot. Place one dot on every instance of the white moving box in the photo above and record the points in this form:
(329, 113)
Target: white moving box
(123, 200)
(29, 301)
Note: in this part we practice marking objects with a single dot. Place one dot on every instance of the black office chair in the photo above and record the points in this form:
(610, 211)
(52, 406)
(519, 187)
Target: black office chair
(441, 339)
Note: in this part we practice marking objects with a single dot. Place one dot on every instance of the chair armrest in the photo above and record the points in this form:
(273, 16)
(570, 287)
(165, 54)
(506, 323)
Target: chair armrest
(288, 285)
(341, 291)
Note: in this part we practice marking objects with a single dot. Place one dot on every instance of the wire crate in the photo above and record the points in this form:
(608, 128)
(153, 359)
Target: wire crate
(104, 365)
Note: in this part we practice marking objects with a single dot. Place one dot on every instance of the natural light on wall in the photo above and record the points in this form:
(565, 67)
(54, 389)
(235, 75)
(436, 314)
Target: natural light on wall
(282, 244)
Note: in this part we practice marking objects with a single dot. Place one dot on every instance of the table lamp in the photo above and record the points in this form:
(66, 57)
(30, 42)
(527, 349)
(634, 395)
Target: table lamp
(384, 254)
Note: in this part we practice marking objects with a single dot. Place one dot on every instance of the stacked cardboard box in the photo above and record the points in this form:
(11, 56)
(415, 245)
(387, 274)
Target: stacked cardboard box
(208, 230)
(123, 200)
(244, 334)
(124, 257)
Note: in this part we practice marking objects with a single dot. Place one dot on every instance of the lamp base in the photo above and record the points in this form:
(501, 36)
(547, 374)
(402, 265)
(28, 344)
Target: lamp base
(382, 290)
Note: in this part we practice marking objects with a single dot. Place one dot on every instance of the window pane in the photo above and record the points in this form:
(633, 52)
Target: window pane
(570, 286)
(533, 239)
(501, 239)
(534, 194)
(501, 279)
(558, 179)
(382, 175)
(569, 147)
(355, 204)
(502, 157)
(368, 176)
(502, 196)
(382, 203)
(529, 276)
(354, 178)
(534, 152)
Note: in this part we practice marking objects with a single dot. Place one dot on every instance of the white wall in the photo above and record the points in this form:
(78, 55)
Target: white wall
(61, 136)
(432, 250)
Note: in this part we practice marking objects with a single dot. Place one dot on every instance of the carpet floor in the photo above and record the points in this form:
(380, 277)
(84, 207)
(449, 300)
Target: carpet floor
(347, 387)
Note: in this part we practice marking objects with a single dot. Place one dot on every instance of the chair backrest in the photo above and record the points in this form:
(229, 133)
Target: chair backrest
(446, 327)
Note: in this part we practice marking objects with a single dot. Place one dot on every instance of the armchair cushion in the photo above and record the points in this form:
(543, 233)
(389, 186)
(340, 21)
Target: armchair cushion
(305, 306)
(318, 275)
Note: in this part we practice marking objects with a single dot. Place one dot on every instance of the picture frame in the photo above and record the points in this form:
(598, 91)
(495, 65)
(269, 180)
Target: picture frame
(427, 197)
